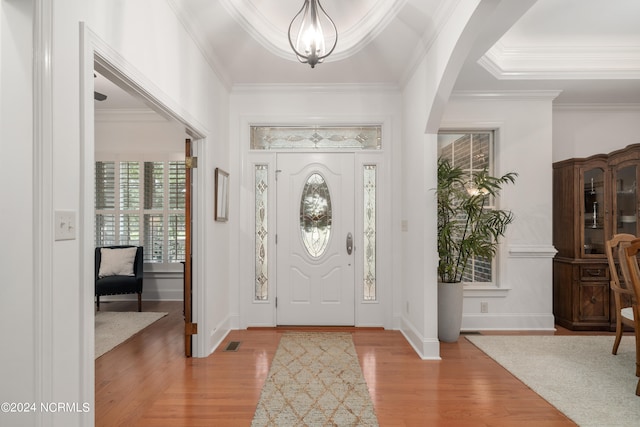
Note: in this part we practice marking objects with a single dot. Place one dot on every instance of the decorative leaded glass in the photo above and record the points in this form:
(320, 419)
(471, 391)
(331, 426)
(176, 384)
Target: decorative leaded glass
(316, 137)
(315, 215)
(369, 237)
(261, 231)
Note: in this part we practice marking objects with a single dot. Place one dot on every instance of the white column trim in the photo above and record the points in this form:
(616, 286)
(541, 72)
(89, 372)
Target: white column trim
(86, 242)
(43, 204)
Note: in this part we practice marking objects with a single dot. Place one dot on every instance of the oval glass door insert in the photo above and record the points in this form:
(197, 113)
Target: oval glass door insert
(315, 215)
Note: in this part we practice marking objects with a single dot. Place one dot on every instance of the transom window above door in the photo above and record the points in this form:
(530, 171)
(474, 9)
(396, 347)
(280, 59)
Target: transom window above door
(316, 137)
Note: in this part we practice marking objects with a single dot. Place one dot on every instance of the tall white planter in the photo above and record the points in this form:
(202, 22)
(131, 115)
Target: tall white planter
(450, 296)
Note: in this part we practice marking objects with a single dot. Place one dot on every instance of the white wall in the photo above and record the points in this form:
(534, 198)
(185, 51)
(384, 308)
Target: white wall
(418, 304)
(48, 283)
(154, 44)
(584, 130)
(137, 132)
(18, 357)
(424, 100)
(523, 298)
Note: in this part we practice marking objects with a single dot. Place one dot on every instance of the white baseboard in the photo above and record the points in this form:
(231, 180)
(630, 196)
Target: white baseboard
(508, 322)
(218, 334)
(427, 348)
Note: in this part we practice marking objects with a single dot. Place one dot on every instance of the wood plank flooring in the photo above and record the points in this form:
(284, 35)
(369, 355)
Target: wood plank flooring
(147, 381)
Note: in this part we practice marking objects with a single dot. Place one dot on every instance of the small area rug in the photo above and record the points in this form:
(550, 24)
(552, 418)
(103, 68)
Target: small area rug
(576, 374)
(115, 327)
(315, 380)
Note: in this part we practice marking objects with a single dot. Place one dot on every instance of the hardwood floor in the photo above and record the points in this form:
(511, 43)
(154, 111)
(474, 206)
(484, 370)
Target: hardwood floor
(147, 381)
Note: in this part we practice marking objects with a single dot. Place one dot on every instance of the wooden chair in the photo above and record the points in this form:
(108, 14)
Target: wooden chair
(631, 255)
(622, 293)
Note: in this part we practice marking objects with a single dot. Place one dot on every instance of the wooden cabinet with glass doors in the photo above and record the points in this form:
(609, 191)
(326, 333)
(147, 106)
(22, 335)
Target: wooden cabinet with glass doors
(593, 199)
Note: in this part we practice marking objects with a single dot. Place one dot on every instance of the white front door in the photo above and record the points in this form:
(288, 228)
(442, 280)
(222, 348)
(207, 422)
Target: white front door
(315, 225)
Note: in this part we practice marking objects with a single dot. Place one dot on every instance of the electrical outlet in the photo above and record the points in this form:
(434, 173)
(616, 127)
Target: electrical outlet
(65, 225)
(484, 307)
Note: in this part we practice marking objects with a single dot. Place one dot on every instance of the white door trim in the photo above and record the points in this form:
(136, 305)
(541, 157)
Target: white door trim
(96, 53)
(384, 312)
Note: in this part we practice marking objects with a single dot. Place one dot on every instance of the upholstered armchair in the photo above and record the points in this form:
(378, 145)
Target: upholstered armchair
(119, 270)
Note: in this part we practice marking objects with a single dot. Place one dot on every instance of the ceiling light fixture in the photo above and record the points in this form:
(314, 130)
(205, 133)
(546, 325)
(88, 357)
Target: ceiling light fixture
(310, 45)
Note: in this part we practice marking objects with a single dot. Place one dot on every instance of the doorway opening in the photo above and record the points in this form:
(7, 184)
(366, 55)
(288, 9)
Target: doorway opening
(143, 185)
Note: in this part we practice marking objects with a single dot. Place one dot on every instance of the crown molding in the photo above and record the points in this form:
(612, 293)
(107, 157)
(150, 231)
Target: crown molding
(562, 62)
(632, 108)
(315, 88)
(351, 40)
(506, 95)
(202, 44)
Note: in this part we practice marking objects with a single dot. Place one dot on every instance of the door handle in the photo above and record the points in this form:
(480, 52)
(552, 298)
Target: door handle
(349, 243)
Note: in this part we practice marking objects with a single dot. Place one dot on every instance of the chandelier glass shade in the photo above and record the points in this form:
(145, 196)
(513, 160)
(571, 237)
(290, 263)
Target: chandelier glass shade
(311, 42)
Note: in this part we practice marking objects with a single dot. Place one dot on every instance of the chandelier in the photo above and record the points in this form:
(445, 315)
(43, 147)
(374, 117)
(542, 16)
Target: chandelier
(311, 45)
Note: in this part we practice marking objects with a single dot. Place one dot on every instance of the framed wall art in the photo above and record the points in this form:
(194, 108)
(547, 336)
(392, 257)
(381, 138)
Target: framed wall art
(221, 195)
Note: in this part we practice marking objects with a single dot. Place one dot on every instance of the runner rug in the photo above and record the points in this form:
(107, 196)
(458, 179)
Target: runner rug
(576, 374)
(315, 380)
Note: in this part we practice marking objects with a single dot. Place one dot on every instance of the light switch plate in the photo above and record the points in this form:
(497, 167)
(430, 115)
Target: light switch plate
(65, 225)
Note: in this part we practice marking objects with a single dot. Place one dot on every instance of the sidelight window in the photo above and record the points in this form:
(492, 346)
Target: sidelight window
(261, 232)
(370, 232)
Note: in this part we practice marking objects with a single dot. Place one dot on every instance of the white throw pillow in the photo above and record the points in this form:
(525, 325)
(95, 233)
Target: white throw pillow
(117, 261)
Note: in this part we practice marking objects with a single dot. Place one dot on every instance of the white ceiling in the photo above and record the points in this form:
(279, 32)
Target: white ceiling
(587, 49)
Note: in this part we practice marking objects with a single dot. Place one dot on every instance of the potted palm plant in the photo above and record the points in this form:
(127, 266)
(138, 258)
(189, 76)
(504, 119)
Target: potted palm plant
(466, 230)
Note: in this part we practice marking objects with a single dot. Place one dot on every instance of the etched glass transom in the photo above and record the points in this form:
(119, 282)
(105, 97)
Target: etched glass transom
(316, 137)
(315, 215)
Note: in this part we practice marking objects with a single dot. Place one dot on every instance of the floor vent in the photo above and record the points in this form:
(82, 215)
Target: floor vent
(232, 346)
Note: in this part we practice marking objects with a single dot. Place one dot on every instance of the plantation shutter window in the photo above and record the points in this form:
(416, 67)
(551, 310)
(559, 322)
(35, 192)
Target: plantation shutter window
(142, 204)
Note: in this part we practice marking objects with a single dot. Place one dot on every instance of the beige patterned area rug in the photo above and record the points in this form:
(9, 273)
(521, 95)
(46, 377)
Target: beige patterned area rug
(315, 380)
(576, 374)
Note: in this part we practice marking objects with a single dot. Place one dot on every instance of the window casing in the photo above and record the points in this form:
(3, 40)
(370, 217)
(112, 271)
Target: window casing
(142, 203)
(473, 152)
